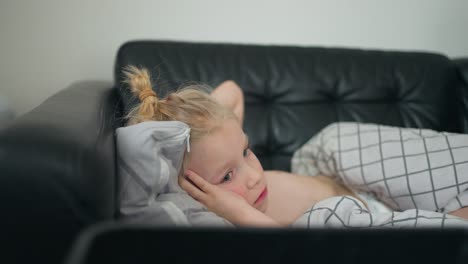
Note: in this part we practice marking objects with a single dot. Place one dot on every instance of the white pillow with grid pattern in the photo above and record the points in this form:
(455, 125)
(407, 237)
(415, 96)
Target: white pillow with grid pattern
(406, 168)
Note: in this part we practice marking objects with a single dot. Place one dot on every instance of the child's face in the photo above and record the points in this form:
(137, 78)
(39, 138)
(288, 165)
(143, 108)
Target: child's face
(223, 158)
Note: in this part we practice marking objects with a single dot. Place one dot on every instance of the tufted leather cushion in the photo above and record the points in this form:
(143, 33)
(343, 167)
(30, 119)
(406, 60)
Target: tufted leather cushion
(462, 67)
(293, 92)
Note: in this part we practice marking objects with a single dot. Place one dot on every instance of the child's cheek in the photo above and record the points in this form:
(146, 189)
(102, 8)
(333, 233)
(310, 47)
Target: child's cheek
(239, 191)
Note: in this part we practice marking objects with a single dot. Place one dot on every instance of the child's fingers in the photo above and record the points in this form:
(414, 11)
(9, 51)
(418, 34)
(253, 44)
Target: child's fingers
(198, 181)
(192, 190)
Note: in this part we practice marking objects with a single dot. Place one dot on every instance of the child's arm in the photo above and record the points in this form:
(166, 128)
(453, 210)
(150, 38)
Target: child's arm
(226, 204)
(230, 94)
(462, 212)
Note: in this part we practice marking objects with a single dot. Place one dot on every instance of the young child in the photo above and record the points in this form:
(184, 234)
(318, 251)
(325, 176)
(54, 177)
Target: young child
(221, 171)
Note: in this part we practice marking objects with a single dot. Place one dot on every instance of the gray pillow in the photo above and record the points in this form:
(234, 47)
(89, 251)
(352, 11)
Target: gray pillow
(149, 157)
(149, 154)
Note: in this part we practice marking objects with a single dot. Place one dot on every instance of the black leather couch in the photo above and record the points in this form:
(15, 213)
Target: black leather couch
(58, 165)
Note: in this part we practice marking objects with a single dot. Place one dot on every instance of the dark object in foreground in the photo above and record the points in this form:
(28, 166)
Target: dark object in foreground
(139, 244)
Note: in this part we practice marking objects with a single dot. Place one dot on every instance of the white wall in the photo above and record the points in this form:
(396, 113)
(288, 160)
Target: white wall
(48, 44)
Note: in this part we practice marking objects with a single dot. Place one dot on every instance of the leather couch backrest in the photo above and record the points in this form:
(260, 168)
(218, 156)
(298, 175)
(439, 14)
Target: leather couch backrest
(293, 92)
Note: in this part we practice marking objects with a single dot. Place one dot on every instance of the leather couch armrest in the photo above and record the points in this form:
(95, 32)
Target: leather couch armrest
(57, 169)
(462, 64)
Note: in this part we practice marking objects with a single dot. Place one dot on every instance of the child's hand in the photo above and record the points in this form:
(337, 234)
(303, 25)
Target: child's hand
(226, 204)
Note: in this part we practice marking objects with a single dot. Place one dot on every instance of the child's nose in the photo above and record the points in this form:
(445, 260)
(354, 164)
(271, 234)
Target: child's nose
(254, 177)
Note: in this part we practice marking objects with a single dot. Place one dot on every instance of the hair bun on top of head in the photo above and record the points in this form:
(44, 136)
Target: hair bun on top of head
(146, 93)
(139, 81)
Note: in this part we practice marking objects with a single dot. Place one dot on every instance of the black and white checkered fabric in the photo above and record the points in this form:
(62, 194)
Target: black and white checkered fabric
(419, 173)
(349, 212)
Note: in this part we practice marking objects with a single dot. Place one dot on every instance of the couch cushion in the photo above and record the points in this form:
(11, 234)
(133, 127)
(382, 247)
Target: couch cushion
(293, 92)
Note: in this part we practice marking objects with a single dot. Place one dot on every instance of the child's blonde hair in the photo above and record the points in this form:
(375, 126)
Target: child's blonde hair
(190, 105)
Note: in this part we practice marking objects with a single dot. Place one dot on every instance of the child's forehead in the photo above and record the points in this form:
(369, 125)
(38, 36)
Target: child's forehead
(226, 144)
(222, 155)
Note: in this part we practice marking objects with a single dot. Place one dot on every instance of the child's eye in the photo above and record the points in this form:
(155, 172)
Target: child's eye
(246, 152)
(227, 177)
